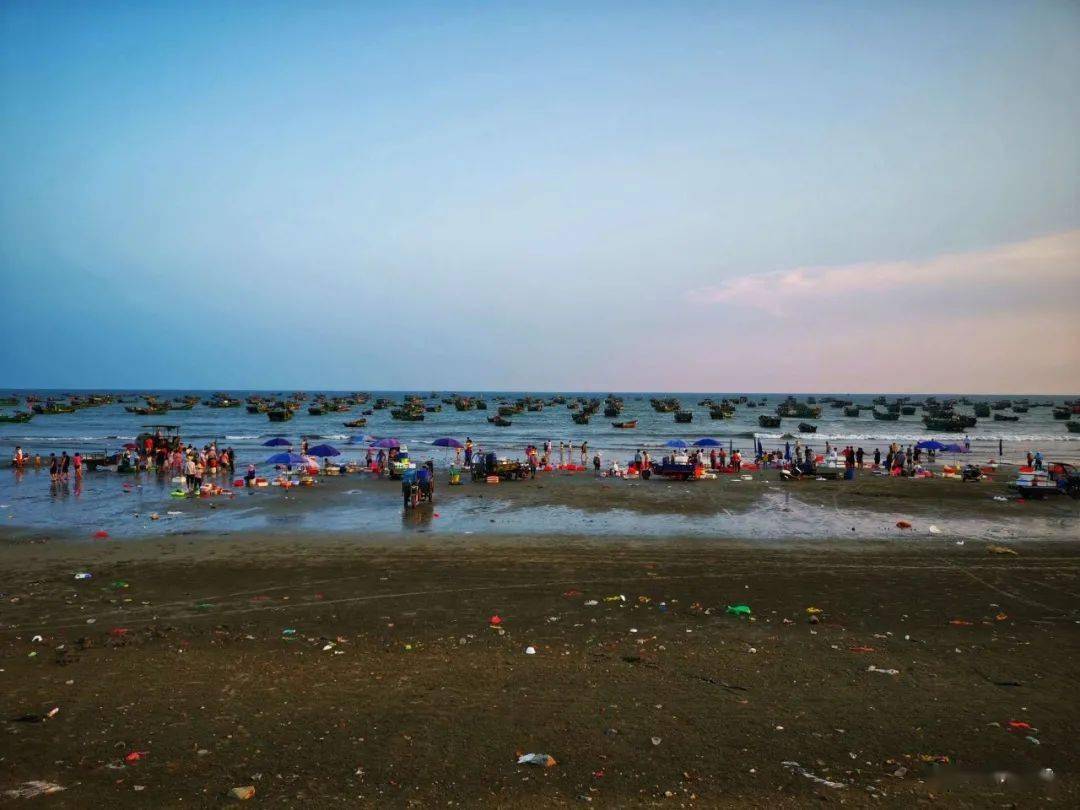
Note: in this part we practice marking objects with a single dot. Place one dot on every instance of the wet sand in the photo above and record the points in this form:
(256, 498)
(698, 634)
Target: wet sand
(394, 688)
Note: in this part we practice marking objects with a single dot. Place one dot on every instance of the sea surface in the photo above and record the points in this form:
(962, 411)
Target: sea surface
(102, 499)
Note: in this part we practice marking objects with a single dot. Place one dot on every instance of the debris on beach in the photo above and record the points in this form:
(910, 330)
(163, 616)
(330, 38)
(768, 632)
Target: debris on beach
(872, 668)
(903, 524)
(83, 575)
(795, 767)
(530, 650)
(541, 760)
(242, 793)
(1002, 550)
(739, 610)
(32, 789)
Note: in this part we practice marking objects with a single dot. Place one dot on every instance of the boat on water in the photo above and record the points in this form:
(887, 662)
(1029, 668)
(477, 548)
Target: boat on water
(580, 418)
(852, 410)
(279, 414)
(766, 421)
(500, 421)
(684, 416)
(886, 416)
(806, 427)
(633, 424)
(1000, 417)
(18, 416)
(1074, 427)
(356, 423)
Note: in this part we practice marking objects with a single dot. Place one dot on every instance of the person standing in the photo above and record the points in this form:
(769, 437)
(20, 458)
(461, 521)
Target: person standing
(562, 447)
(189, 472)
(468, 451)
(584, 453)
(65, 465)
(54, 468)
(1001, 448)
(859, 458)
(77, 463)
(596, 465)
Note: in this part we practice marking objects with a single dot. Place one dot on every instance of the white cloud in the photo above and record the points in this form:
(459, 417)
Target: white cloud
(1039, 272)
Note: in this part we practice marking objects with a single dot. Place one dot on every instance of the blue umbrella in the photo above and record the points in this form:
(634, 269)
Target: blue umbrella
(446, 441)
(675, 443)
(358, 439)
(285, 458)
(932, 444)
(787, 451)
(323, 450)
(760, 449)
(953, 448)
(386, 443)
(278, 441)
(706, 443)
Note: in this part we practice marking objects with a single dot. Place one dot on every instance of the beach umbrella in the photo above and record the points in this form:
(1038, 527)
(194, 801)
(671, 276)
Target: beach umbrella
(446, 441)
(787, 451)
(386, 444)
(932, 444)
(953, 448)
(278, 441)
(324, 450)
(706, 443)
(679, 443)
(358, 439)
(286, 458)
(760, 449)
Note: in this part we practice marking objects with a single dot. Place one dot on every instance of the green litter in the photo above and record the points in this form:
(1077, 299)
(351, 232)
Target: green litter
(738, 610)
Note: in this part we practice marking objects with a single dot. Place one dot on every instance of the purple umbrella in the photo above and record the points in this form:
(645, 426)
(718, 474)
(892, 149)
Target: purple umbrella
(706, 443)
(386, 444)
(324, 450)
(286, 458)
(278, 441)
(446, 441)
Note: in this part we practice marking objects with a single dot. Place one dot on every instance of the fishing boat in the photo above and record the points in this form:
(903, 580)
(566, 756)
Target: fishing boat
(767, 421)
(982, 409)
(9, 400)
(18, 416)
(806, 427)
(279, 414)
(580, 418)
(500, 421)
(852, 410)
(1000, 417)
(886, 416)
(356, 423)
(684, 416)
(1074, 427)
(633, 424)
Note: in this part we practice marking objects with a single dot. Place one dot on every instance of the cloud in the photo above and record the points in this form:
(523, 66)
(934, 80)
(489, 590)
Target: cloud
(1043, 272)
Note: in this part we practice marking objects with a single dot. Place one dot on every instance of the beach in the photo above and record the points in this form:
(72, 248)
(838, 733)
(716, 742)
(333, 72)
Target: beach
(321, 670)
(739, 640)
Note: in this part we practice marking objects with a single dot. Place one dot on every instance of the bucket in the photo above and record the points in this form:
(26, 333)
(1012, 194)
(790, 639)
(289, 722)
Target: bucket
(849, 474)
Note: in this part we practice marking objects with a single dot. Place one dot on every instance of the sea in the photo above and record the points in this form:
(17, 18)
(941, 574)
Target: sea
(27, 501)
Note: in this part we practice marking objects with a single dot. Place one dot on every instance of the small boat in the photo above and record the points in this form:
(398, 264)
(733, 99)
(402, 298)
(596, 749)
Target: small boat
(851, 410)
(886, 416)
(684, 416)
(279, 415)
(580, 418)
(1000, 417)
(19, 416)
(500, 421)
(1074, 427)
(315, 410)
(806, 427)
(633, 424)
(356, 423)
(767, 421)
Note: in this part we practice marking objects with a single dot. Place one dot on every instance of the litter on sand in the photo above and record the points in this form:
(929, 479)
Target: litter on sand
(542, 760)
(530, 650)
(1002, 550)
(795, 767)
(872, 668)
(738, 610)
(242, 793)
(30, 790)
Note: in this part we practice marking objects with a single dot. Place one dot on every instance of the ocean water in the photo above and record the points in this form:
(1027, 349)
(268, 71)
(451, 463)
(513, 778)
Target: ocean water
(107, 427)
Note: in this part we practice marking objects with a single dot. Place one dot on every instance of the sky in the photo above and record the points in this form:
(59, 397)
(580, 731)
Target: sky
(687, 196)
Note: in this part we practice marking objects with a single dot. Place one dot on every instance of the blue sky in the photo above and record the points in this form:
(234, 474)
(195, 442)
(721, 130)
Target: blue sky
(535, 195)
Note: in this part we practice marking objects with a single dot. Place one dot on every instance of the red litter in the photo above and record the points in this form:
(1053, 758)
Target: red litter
(101, 534)
(135, 756)
(495, 620)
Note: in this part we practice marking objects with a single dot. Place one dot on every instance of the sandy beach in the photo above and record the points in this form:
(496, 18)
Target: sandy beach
(321, 670)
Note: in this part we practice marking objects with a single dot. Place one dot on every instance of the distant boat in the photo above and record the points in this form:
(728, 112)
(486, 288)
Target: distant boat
(633, 424)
